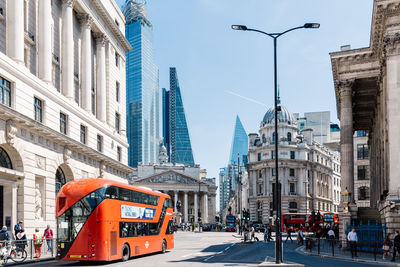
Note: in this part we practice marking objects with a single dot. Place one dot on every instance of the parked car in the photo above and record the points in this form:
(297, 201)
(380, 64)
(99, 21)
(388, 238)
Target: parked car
(206, 227)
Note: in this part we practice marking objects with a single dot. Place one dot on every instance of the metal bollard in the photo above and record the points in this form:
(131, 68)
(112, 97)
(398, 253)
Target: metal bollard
(31, 247)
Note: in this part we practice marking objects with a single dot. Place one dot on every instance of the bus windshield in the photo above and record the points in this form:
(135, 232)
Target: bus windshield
(71, 221)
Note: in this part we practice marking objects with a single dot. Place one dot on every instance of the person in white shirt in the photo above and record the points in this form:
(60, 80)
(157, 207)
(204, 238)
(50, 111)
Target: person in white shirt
(352, 238)
(331, 234)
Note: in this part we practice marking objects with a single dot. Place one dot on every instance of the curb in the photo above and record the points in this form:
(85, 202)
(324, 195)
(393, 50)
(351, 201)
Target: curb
(11, 263)
(302, 251)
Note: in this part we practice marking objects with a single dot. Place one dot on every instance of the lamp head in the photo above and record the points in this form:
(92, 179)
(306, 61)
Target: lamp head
(311, 25)
(239, 27)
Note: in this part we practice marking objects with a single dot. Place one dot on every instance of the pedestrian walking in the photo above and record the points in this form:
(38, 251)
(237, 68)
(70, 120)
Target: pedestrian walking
(21, 240)
(300, 237)
(289, 234)
(396, 244)
(4, 236)
(331, 234)
(265, 233)
(353, 239)
(387, 245)
(37, 242)
(18, 227)
(48, 234)
(269, 233)
(252, 233)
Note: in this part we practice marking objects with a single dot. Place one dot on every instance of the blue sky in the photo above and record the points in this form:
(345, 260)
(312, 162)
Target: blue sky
(212, 60)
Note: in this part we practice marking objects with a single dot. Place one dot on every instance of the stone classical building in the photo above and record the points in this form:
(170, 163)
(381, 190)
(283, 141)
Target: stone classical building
(62, 102)
(367, 95)
(308, 171)
(187, 186)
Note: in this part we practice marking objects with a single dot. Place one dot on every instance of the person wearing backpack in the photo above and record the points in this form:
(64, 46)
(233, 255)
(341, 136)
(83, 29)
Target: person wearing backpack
(37, 242)
(4, 236)
(20, 239)
(48, 234)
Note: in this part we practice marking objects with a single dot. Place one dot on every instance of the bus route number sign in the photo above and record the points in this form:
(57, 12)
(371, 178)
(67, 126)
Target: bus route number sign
(134, 212)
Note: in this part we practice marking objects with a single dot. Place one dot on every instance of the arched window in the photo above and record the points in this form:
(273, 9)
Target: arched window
(289, 137)
(60, 179)
(5, 160)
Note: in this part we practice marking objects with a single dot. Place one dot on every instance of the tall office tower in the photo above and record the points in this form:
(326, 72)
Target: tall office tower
(142, 101)
(240, 144)
(176, 133)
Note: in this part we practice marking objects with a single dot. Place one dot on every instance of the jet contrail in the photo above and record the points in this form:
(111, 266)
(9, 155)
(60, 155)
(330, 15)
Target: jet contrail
(246, 98)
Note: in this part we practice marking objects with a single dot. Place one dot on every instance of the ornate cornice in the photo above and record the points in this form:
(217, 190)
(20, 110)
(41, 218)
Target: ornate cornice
(101, 39)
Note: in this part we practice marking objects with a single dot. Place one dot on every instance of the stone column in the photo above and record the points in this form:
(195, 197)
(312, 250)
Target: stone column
(346, 136)
(101, 77)
(196, 207)
(67, 60)
(86, 61)
(14, 198)
(175, 200)
(205, 208)
(15, 31)
(185, 200)
(44, 41)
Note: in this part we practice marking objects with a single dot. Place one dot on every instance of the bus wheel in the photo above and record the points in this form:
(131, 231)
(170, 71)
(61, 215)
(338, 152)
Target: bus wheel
(164, 246)
(126, 253)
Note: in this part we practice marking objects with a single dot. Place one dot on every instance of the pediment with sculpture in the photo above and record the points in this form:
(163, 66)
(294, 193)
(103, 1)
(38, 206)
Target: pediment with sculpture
(169, 177)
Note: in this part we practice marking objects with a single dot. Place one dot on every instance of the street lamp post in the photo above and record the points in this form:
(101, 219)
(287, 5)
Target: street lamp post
(239, 185)
(277, 193)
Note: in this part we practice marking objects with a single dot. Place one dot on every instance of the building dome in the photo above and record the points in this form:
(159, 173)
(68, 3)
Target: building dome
(285, 115)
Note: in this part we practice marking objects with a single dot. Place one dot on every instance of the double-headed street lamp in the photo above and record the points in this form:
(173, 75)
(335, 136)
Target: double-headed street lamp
(277, 193)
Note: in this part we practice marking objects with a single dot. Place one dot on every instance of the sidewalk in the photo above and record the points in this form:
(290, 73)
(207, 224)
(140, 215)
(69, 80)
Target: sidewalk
(347, 257)
(29, 260)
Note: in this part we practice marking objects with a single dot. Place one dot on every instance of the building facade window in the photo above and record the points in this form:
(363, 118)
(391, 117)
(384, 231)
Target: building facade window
(361, 133)
(273, 137)
(93, 101)
(38, 109)
(119, 153)
(63, 123)
(363, 193)
(117, 122)
(259, 210)
(260, 189)
(291, 172)
(117, 59)
(5, 160)
(362, 172)
(273, 171)
(292, 188)
(99, 143)
(362, 152)
(83, 134)
(259, 156)
(289, 137)
(272, 154)
(117, 91)
(292, 155)
(60, 179)
(5, 92)
(292, 207)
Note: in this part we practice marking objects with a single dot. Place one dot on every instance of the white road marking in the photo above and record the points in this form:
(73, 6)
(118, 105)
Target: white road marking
(219, 252)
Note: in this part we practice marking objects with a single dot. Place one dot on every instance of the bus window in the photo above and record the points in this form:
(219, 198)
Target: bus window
(111, 192)
(124, 194)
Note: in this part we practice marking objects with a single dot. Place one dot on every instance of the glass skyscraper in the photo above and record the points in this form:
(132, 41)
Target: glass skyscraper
(142, 93)
(175, 130)
(229, 175)
(240, 144)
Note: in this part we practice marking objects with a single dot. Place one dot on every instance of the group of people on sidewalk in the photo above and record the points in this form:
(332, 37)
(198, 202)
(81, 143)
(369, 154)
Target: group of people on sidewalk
(391, 248)
(21, 240)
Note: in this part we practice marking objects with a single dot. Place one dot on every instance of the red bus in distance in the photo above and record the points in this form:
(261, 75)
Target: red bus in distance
(105, 220)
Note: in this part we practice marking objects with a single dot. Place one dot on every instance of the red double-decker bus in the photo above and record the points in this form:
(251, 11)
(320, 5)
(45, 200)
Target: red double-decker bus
(297, 220)
(104, 220)
(230, 223)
